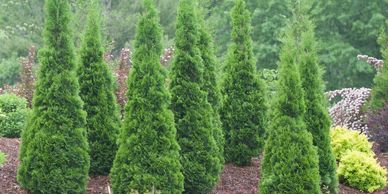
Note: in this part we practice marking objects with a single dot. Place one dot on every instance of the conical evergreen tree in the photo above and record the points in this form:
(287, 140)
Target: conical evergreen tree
(379, 94)
(244, 110)
(210, 84)
(290, 163)
(54, 151)
(148, 155)
(199, 153)
(97, 92)
(316, 117)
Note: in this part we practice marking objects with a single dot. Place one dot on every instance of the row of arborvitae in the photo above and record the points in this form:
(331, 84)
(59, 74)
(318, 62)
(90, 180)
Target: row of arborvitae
(174, 144)
(297, 155)
(73, 129)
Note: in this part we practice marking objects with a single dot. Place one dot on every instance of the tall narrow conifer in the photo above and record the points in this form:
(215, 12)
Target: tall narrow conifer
(316, 116)
(244, 110)
(54, 151)
(97, 92)
(199, 152)
(379, 94)
(210, 84)
(290, 163)
(148, 155)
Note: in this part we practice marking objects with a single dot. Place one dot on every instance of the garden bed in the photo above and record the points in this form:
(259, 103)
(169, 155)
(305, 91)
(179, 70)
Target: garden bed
(233, 179)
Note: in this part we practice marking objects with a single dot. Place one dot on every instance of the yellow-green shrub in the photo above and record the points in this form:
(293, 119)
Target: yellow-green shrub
(2, 159)
(360, 170)
(344, 140)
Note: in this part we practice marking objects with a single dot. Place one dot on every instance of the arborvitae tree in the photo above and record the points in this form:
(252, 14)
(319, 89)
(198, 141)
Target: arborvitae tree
(210, 84)
(148, 155)
(54, 151)
(244, 110)
(380, 89)
(290, 163)
(199, 152)
(316, 117)
(97, 92)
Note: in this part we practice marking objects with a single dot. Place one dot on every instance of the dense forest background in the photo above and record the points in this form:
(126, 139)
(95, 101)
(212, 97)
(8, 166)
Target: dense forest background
(344, 28)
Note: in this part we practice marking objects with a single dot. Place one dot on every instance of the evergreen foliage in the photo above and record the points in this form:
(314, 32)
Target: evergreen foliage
(210, 84)
(13, 115)
(199, 152)
(316, 117)
(244, 110)
(290, 163)
(148, 155)
(380, 89)
(97, 92)
(54, 151)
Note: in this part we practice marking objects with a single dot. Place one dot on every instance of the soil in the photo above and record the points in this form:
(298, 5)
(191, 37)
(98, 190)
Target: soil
(234, 180)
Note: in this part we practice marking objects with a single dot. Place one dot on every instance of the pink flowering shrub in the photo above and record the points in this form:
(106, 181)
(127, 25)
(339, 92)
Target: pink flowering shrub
(347, 111)
(375, 63)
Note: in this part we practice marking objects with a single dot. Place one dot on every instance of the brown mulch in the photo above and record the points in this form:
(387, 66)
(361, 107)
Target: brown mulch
(8, 183)
(234, 180)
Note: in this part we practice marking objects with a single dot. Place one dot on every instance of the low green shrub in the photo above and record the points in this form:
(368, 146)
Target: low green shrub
(360, 170)
(2, 159)
(344, 140)
(14, 113)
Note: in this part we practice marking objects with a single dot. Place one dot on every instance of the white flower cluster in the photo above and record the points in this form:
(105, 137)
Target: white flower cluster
(167, 55)
(376, 63)
(347, 111)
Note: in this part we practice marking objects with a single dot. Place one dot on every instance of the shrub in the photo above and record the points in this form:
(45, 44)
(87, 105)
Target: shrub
(2, 158)
(15, 113)
(344, 140)
(347, 110)
(361, 171)
(9, 70)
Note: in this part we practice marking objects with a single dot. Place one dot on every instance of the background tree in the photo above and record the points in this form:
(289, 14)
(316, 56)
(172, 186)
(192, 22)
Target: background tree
(148, 155)
(97, 92)
(316, 117)
(210, 84)
(341, 30)
(244, 110)
(344, 33)
(54, 151)
(289, 147)
(199, 153)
